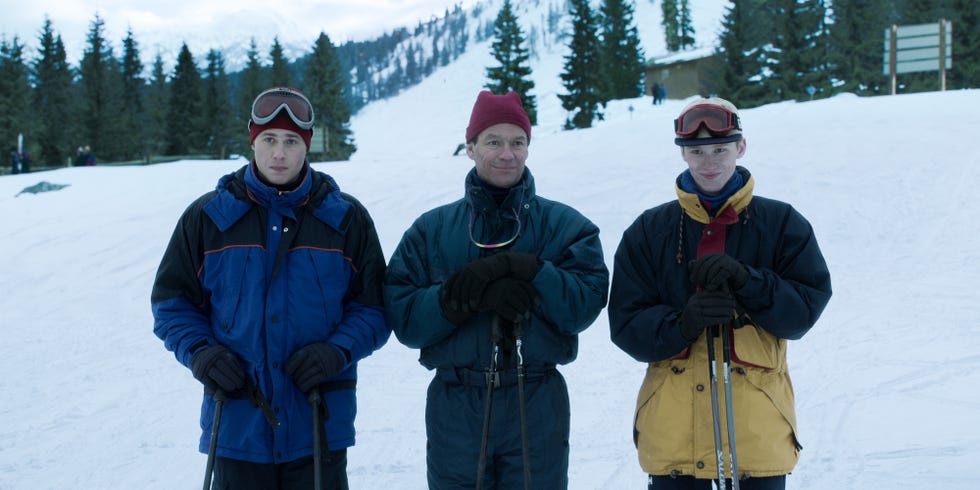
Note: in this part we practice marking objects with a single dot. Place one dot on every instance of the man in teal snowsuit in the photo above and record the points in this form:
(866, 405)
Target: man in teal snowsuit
(500, 256)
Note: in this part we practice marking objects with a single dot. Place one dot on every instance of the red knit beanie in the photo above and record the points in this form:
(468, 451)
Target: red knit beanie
(281, 121)
(491, 109)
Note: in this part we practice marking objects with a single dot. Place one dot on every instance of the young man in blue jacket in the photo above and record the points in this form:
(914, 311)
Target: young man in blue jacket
(717, 263)
(494, 289)
(271, 290)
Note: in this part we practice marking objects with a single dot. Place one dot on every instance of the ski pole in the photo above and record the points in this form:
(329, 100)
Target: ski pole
(525, 445)
(315, 401)
(727, 371)
(492, 380)
(715, 417)
(219, 402)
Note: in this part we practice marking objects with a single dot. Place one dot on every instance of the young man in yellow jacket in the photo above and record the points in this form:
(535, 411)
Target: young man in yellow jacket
(717, 259)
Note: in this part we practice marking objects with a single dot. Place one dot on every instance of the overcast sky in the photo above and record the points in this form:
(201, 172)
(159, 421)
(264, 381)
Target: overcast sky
(342, 20)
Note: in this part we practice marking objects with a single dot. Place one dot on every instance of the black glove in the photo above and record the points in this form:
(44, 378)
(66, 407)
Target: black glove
(464, 289)
(453, 312)
(717, 272)
(218, 367)
(704, 309)
(512, 299)
(314, 364)
(523, 266)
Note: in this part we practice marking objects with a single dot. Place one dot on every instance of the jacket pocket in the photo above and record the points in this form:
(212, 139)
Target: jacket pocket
(332, 278)
(224, 279)
(652, 382)
(778, 395)
(754, 347)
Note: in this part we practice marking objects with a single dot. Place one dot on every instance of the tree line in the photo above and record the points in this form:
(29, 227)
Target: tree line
(109, 104)
(604, 60)
(125, 111)
(773, 50)
(770, 50)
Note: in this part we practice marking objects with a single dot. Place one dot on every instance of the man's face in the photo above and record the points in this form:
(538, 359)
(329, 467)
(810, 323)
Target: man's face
(713, 165)
(499, 153)
(279, 155)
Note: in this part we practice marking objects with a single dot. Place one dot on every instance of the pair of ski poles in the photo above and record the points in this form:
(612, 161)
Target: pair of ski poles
(316, 404)
(493, 381)
(729, 412)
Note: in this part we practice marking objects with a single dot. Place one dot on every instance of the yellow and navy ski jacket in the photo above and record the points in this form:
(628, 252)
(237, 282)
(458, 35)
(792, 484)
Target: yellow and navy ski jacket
(264, 273)
(788, 288)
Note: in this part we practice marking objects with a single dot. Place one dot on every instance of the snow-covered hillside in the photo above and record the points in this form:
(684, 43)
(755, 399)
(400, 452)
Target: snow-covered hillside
(884, 382)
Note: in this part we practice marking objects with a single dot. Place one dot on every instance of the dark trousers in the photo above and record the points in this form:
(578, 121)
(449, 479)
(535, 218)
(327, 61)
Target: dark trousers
(690, 483)
(454, 427)
(234, 474)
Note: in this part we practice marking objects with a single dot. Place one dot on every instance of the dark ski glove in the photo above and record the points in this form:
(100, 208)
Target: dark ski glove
(464, 289)
(512, 299)
(704, 309)
(523, 266)
(716, 272)
(218, 367)
(314, 364)
(453, 312)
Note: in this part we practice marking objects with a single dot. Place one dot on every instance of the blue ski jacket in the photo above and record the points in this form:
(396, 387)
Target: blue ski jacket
(265, 273)
(573, 281)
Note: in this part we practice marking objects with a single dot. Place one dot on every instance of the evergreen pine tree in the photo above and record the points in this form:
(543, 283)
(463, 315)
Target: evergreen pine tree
(324, 84)
(99, 81)
(279, 74)
(429, 64)
(157, 106)
(798, 48)
(218, 113)
(16, 117)
(580, 78)
(685, 26)
(393, 83)
(132, 115)
(740, 53)
(251, 83)
(621, 56)
(184, 118)
(965, 16)
(668, 20)
(855, 50)
(513, 71)
(413, 73)
(52, 99)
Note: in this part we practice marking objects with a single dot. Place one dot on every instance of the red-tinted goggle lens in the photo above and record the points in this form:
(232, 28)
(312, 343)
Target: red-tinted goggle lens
(268, 104)
(716, 119)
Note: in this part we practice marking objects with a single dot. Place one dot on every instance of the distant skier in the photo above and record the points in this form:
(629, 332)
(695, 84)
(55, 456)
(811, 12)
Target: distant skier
(15, 162)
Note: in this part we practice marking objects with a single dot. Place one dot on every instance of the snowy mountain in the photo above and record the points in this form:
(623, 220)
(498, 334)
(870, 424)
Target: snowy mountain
(885, 382)
(231, 31)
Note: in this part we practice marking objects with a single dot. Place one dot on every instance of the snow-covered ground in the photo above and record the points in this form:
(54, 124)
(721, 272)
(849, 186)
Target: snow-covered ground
(886, 382)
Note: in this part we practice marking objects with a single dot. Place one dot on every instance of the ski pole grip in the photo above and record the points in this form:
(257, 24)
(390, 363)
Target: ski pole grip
(496, 331)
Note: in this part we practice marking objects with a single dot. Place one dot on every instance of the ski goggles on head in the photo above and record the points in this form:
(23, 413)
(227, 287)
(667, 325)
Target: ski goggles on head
(270, 102)
(715, 118)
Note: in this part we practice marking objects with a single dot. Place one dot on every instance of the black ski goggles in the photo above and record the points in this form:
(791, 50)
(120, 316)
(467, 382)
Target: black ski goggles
(715, 118)
(270, 102)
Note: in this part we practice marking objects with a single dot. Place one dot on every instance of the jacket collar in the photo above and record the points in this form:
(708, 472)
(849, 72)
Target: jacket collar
(517, 197)
(236, 195)
(739, 200)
